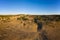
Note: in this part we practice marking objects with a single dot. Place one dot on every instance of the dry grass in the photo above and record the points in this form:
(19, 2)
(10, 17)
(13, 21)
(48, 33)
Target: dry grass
(23, 27)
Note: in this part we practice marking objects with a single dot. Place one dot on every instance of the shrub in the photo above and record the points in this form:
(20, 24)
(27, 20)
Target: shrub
(22, 18)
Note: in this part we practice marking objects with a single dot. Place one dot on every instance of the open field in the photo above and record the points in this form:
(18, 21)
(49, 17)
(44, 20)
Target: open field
(29, 27)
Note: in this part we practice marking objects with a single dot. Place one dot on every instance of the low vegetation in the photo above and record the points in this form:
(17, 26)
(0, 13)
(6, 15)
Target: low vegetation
(37, 27)
(22, 18)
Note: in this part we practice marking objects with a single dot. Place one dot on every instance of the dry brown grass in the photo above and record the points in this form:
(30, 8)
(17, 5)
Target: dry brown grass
(25, 28)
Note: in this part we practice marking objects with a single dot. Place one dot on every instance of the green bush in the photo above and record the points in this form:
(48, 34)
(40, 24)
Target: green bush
(22, 18)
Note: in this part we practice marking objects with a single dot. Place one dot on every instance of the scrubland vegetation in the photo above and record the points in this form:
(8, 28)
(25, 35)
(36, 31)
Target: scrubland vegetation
(30, 27)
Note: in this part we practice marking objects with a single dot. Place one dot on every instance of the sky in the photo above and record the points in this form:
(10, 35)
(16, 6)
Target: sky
(35, 7)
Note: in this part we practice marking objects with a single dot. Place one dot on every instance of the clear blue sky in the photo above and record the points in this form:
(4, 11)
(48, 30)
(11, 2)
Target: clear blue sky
(29, 6)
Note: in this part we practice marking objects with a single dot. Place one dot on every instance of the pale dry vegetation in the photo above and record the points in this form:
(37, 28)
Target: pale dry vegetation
(29, 27)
